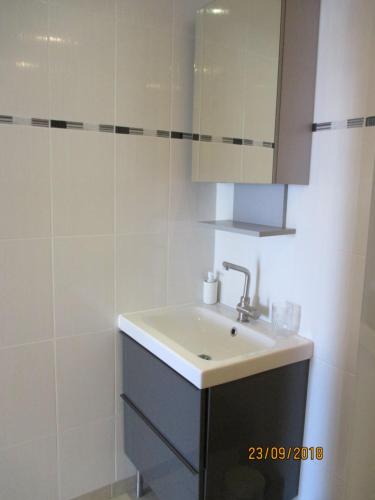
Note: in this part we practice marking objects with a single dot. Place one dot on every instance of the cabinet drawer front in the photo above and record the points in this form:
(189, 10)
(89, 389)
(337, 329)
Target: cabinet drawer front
(172, 405)
(162, 470)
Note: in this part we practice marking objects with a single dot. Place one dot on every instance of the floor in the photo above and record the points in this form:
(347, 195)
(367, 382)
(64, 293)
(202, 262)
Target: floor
(147, 496)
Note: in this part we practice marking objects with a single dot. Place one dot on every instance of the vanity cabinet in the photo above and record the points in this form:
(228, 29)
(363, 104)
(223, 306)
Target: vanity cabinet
(193, 444)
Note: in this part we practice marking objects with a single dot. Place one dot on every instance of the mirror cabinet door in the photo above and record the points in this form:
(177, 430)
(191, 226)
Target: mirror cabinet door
(235, 90)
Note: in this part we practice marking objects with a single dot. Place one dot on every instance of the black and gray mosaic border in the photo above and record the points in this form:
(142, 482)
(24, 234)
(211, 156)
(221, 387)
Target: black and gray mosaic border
(120, 129)
(361, 122)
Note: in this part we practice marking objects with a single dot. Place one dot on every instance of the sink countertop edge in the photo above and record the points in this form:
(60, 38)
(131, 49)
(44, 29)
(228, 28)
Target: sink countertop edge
(198, 372)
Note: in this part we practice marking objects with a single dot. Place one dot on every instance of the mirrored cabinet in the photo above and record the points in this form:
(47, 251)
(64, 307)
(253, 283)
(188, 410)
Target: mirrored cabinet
(254, 86)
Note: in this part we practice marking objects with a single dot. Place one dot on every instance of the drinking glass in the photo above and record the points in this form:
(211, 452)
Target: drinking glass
(286, 317)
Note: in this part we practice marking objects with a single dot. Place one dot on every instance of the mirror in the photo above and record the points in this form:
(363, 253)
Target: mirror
(236, 74)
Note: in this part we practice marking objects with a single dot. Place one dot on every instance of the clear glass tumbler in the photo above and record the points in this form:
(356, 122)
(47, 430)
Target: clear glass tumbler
(280, 316)
(286, 317)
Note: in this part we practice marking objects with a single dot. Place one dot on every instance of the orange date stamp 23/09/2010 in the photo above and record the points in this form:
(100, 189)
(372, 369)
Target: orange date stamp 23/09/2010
(285, 453)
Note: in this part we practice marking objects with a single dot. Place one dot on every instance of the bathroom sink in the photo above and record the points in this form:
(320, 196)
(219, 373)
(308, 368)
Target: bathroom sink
(207, 346)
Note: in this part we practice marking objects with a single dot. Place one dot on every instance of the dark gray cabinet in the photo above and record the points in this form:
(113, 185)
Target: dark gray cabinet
(162, 468)
(171, 403)
(192, 444)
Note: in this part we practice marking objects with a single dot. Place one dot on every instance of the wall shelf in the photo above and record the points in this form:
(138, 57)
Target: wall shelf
(258, 230)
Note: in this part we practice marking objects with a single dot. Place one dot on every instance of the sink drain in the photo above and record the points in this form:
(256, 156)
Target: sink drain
(204, 356)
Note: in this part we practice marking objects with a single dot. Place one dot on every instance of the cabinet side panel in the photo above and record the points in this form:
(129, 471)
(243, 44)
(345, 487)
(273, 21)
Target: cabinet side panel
(297, 92)
(265, 410)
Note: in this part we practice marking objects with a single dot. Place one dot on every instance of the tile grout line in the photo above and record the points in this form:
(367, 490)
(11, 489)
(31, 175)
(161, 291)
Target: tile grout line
(115, 237)
(88, 423)
(27, 441)
(51, 435)
(53, 338)
(53, 277)
(171, 80)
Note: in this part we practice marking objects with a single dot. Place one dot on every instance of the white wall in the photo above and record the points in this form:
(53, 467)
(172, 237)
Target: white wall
(322, 267)
(91, 224)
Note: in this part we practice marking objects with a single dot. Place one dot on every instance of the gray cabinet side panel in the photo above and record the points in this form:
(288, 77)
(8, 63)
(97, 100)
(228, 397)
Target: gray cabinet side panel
(297, 91)
(264, 410)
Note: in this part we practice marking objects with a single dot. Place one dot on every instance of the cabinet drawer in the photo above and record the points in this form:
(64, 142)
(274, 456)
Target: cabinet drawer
(161, 468)
(173, 406)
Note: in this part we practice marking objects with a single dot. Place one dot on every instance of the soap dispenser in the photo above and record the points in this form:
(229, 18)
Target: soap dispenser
(210, 289)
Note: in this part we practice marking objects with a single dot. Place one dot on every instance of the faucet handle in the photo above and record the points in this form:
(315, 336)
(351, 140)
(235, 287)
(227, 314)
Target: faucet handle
(246, 312)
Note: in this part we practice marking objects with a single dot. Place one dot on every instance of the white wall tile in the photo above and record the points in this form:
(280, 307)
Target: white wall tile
(365, 191)
(144, 99)
(83, 187)
(27, 393)
(25, 182)
(29, 471)
(85, 379)
(26, 310)
(24, 58)
(328, 413)
(142, 271)
(190, 202)
(190, 257)
(337, 307)
(344, 54)
(87, 458)
(224, 201)
(370, 93)
(337, 162)
(142, 166)
(182, 83)
(368, 313)
(82, 60)
(325, 486)
(184, 15)
(362, 469)
(146, 13)
(124, 467)
(84, 285)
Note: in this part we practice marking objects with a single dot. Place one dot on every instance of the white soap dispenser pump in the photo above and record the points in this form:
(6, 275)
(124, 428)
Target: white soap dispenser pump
(210, 289)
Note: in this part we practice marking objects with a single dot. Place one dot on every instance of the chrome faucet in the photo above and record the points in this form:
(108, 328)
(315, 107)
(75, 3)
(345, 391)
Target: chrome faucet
(245, 310)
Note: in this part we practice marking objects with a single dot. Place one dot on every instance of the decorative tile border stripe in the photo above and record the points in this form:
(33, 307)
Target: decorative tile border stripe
(39, 122)
(361, 122)
(121, 129)
(6, 119)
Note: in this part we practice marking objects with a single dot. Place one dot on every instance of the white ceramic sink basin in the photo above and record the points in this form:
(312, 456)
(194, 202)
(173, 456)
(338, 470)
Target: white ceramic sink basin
(180, 336)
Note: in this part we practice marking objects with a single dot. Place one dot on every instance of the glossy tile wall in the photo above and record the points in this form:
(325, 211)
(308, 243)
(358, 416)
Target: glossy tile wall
(362, 446)
(91, 224)
(322, 267)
